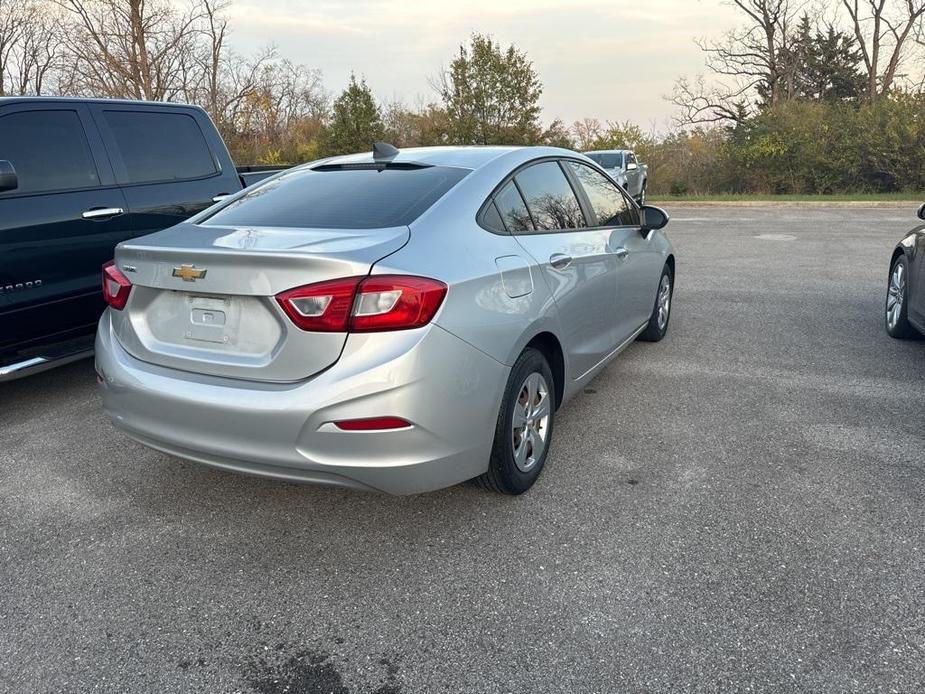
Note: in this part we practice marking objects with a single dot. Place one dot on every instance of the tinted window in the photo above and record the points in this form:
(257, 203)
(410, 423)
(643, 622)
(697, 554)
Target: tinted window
(630, 158)
(48, 149)
(550, 198)
(512, 209)
(341, 198)
(160, 146)
(611, 208)
(492, 219)
(607, 161)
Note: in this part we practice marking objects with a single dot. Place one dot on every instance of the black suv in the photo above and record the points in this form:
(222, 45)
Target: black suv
(78, 176)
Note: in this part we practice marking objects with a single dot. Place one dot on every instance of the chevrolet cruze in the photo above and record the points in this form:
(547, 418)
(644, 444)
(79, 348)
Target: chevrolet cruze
(391, 321)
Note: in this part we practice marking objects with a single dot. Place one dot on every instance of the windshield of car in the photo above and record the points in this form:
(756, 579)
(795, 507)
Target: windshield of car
(341, 198)
(607, 161)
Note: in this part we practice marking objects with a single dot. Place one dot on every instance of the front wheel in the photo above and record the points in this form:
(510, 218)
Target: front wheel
(897, 305)
(524, 429)
(661, 312)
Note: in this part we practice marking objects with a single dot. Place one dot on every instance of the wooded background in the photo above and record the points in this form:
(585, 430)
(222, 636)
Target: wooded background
(801, 97)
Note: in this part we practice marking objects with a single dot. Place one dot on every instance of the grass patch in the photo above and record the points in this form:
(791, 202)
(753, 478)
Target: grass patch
(853, 197)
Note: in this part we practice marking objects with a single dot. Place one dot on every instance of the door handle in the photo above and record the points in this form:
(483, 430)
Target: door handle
(221, 196)
(102, 212)
(560, 261)
(621, 252)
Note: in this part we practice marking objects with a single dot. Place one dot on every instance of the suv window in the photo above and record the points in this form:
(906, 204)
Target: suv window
(341, 198)
(49, 151)
(550, 198)
(609, 204)
(630, 158)
(160, 146)
(607, 161)
(512, 209)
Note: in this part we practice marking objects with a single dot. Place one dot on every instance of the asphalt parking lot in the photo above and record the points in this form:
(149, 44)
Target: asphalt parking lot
(740, 507)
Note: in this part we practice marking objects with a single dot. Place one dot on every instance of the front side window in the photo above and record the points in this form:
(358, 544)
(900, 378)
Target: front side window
(341, 198)
(160, 146)
(550, 198)
(49, 151)
(611, 208)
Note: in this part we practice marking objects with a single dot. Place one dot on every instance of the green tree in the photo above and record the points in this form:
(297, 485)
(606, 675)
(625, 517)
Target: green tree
(491, 95)
(824, 65)
(355, 122)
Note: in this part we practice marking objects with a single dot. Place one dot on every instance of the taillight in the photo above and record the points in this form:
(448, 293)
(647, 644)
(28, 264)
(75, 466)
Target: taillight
(358, 304)
(116, 286)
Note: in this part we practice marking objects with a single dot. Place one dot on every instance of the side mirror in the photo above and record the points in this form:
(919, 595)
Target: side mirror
(632, 166)
(921, 213)
(653, 218)
(8, 179)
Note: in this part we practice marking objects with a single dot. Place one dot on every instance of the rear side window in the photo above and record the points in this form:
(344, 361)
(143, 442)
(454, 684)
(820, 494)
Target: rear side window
(160, 146)
(550, 198)
(49, 151)
(512, 209)
(607, 161)
(350, 198)
(610, 206)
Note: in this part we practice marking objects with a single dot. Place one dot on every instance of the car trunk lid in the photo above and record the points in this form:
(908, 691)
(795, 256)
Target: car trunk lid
(203, 296)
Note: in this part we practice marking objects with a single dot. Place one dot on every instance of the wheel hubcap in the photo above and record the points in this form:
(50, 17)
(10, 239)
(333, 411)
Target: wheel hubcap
(895, 295)
(664, 302)
(530, 423)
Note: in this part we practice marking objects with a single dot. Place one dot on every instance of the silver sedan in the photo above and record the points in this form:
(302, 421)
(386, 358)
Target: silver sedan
(393, 321)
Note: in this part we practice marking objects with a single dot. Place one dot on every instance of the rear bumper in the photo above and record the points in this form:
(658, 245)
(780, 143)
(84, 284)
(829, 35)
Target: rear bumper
(447, 389)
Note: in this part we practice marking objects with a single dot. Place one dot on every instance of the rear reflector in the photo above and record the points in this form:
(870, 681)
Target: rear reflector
(364, 304)
(373, 424)
(116, 286)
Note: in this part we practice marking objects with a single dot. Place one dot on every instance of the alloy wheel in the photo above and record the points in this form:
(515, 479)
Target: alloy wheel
(664, 302)
(530, 422)
(895, 295)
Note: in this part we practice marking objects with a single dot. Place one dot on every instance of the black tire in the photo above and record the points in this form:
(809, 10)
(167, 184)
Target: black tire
(503, 475)
(897, 324)
(656, 330)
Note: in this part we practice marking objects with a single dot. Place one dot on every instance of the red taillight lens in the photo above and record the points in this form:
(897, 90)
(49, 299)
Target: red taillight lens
(371, 304)
(116, 286)
(373, 424)
(323, 307)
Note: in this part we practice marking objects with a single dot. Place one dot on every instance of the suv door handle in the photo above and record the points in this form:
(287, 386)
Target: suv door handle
(621, 252)
(221, 196)
(102, 212)
(560, 261)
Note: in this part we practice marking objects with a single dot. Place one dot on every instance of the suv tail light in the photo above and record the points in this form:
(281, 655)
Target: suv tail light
(116, 286)
(364, 304)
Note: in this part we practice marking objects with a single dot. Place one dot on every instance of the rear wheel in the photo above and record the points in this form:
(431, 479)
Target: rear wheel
(661, 312)
(897, 306)
(524, 428)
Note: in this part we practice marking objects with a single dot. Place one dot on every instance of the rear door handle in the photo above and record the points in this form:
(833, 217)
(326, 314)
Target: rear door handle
(221, 196)
(560, 261)
(621, 252)
(102, 212)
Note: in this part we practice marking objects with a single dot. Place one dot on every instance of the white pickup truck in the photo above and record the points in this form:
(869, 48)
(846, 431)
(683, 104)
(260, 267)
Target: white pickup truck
(626, 170)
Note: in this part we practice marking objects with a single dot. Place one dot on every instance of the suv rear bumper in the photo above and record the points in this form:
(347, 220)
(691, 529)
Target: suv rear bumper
(447, 389)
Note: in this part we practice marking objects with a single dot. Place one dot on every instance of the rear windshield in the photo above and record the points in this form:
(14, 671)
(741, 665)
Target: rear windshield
(607, 161)
(341, 198)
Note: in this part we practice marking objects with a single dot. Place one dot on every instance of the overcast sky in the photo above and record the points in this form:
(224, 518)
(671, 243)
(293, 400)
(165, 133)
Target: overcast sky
(613, 59)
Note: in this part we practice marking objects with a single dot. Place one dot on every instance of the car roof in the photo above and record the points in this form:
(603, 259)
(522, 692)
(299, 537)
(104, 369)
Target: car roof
(609, 151)
(460, 157)
(80, 100)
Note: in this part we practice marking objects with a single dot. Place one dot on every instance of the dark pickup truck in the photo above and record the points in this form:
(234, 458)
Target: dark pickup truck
(77, 176)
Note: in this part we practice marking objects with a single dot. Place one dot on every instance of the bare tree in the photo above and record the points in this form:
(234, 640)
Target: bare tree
(750, 64)
(883, 29)
(29, 46)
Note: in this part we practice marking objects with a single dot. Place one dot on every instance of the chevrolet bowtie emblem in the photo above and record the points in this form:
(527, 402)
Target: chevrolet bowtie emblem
(189, 273)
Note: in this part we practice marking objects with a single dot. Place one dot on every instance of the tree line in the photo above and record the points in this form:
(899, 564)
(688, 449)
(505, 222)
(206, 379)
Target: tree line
(798, 98)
